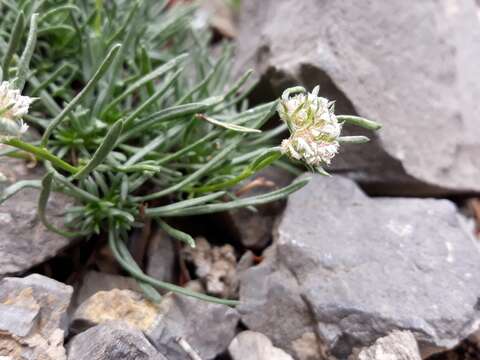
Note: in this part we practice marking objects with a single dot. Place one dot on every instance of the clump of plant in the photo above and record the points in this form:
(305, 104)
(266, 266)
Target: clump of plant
(139, 121)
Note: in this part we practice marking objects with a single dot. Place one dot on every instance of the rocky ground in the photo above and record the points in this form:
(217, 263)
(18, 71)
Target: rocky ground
(379, 262)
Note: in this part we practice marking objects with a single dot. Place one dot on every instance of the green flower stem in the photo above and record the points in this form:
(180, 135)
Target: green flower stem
(42, 154)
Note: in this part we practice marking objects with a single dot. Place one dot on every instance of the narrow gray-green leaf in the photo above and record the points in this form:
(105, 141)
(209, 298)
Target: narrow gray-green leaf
(266, 158)
(59, 9)
(226, 125)
(18, 186)
(24, 64)
(359, 121)
(103, 150)
(167, 209)
(152, 145)
(151, 293)
(138, 274)
(171, 113)
(13, 43)
(240, 203)
(93, 81)
(177, 234)
(152, 99)
(159, 71)
(195, 175)
(353, 139)
(42, 208)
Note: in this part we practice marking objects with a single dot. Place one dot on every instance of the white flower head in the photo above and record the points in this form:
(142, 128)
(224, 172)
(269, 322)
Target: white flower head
(13, 106)
(313, 125)
(303, 145)
(306, 109)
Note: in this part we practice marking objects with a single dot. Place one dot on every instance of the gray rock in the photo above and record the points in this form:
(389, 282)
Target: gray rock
(17, 320)
(347, 269)
(112, 341)
(271, 303)
(35, 291)
(33, 319)
(250, 345)
(161, 257)
(25, 242)
(422, 85)
(399, 345)
(16, 169)
(254, 229)
(208, 328)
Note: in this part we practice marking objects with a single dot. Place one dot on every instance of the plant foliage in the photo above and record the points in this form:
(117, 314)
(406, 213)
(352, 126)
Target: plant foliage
(138, 119)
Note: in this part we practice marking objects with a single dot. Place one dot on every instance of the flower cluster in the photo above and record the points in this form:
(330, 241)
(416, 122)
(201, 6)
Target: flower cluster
(13, 106)
(313, 126)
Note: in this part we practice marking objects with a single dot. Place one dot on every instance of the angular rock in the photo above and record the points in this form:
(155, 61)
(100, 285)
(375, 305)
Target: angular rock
(112, 341)
(125, 305)
(95, 281)
(17, 320)
(161, 257)
(172, 318)
(208, 328)
(250, 345)
(215, 266)
(33, 317)
(399, 345)
(347, 269)
(271, 303)
(254, 229)
(422, 85)
(25, 242)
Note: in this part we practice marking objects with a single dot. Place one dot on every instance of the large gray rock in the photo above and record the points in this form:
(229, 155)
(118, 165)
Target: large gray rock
(347, 269)
(24, 241)
(208, 328)
(33, 317)
(112, 341)
(406, 64)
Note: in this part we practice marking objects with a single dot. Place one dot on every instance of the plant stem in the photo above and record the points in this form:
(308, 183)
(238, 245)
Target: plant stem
(42, 153)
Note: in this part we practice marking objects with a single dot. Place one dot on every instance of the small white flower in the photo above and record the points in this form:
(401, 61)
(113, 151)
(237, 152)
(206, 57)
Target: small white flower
(13, 106)
(313, 125)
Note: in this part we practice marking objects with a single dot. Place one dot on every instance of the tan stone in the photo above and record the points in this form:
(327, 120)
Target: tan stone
(125, 305)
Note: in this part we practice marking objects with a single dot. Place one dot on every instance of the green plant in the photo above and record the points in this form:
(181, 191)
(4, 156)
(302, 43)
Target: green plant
(130, 98)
